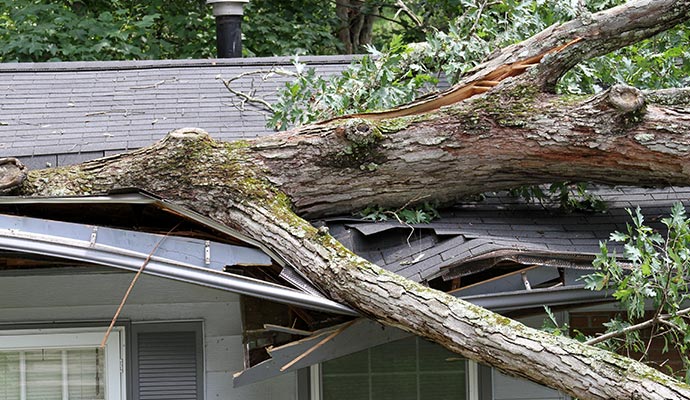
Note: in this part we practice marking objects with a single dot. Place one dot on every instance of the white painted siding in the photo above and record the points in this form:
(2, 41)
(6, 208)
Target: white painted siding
(94, 297)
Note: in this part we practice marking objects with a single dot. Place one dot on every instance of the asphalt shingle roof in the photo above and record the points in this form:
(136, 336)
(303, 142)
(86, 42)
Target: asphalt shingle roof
(62, 113)
(499, 228)
(55, 114)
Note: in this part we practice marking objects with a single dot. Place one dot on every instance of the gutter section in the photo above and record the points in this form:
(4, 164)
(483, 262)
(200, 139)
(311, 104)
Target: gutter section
(81, 243)
(135, 196)
(520, 299)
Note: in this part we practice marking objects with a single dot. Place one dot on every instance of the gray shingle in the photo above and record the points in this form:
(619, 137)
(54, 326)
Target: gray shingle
(76, 158)
(136, 102)
(483, 232)
(39, 162)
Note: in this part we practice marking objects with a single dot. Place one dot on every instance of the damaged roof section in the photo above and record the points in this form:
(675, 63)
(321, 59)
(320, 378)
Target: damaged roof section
(502, 244)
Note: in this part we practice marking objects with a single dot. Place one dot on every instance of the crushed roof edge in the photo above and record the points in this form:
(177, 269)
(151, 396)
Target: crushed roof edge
(136, 196)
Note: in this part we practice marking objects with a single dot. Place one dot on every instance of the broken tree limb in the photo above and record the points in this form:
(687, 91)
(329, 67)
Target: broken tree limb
(12, 174)
(459, 92)
(506, 138)
(224, 182)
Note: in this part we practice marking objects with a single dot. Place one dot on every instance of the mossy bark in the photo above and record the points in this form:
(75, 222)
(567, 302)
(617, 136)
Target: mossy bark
(509, 137)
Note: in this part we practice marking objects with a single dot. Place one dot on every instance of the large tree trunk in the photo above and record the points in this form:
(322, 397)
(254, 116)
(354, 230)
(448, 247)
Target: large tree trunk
(512, 135)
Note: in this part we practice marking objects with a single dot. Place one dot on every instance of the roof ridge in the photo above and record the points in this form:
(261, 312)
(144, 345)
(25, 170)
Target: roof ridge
(77, 66)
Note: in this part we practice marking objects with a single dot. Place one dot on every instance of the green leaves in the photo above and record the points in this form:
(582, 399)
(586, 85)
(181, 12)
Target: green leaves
(653, 272)
(368, 84)
(568, 196)
(420, 214)
(283, 28)
(98, 30)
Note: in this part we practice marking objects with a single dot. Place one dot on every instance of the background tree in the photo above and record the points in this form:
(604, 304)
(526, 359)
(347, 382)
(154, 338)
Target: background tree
(74, 30)
(278, 28)
(77, 30)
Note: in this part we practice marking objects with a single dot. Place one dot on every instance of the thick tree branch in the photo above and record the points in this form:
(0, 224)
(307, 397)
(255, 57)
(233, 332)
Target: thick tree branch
(601, 33)
(555, 51)
(509, 137)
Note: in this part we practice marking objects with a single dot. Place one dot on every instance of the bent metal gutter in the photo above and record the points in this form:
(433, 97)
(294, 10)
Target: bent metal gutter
(43, 237)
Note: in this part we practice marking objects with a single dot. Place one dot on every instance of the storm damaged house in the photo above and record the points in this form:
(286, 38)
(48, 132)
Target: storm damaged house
(216, 315)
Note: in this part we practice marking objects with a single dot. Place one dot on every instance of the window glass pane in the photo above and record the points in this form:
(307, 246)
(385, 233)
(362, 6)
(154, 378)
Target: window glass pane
(442, 386)
(52, 374)
(9, 375)
(85, 370)
(433, 357)
(406, 369)
(394, 386)
(350, 364)
(43, 374)
(353, 387)
(398, 356)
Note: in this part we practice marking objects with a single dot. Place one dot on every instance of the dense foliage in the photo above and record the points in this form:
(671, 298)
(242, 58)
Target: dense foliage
(653, 270)
(67, 30)
(279, 28)
(62, 30)
(384, 79)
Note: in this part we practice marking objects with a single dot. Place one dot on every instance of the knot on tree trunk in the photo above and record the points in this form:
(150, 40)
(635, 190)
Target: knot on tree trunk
(626, 99)
(362, 132)
(188, 134)
(12, 174)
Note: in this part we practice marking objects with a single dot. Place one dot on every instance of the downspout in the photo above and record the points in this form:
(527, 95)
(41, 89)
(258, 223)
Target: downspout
(228, 15)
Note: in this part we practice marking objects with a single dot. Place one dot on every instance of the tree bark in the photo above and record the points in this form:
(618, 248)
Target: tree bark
(515, 134)
(356, 24)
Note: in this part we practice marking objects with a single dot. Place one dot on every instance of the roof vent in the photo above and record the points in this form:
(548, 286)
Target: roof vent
(228, 15)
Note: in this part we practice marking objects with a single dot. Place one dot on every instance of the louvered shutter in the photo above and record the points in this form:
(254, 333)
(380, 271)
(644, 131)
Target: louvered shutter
(167, 362)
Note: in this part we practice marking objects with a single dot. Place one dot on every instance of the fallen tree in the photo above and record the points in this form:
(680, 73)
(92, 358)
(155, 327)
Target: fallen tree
(509, 131)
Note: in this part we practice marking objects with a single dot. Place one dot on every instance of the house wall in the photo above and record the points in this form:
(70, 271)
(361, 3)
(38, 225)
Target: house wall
(94, 297)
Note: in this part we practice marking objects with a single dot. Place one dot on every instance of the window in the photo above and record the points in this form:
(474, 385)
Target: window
(61, 364)
(408, 369)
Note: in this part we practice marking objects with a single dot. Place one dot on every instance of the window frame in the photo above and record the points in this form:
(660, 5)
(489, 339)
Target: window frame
(76, 338)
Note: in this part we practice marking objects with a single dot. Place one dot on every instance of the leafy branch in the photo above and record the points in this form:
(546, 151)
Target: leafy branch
(420, 214)
(568, 196)
(654, 270)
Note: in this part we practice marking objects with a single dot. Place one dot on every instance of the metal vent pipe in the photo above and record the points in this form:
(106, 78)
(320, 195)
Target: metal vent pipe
(228, 15)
